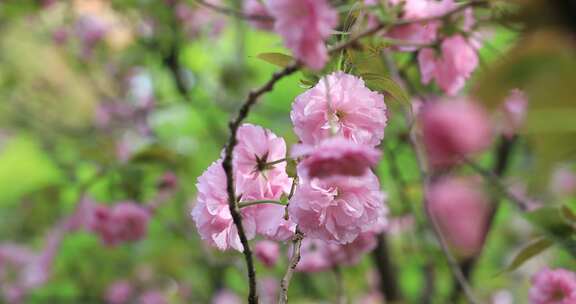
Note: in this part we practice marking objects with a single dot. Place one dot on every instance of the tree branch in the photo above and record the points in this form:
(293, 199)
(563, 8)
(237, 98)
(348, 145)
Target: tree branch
(386, 270)
(295, 258)
(502, 155)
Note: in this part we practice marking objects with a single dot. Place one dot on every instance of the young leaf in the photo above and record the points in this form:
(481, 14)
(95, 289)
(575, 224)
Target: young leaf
(568, 214)
(388, 86)
(531, 250)
(278, 59)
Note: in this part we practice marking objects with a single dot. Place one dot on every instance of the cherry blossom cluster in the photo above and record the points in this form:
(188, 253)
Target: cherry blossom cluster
(335, 200)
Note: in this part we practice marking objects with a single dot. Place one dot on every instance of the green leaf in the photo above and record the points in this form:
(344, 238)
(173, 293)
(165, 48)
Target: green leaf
(291, 167)
(367, 59)
(387, 85)
(279, 59)
(549, 220)
(529, 251)
(568, 214)
(156, 154)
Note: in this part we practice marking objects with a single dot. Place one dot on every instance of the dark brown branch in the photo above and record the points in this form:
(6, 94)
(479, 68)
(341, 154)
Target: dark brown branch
(294, 259)
(386, 270)
(229, 170)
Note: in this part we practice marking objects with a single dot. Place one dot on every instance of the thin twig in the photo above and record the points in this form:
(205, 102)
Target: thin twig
(245, 204)
(233, 12)
(502, 155)
(295, 258)
(452, 263)
(340, 293)
(497, 183)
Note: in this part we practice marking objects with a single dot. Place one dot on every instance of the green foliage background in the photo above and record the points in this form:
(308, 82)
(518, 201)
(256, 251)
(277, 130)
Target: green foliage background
(49, 148)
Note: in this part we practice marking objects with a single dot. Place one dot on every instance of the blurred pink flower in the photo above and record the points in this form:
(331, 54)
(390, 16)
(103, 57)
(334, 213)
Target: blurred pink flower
(553, 286)
(374, 297)
(91, 30)
(168, 181)
(318, 255)
(225, 296)
(268, 288)
(452, 67)
(461, 210)
(119, 292)
(453, 129)
(22, 270)
(338, 209)
(304, 25)
(563, 181)
(123, 222)
(419, 33)
(514, 113)
(132, 220)
(201, 19)
(152, 297)
(350, 110)
(60, 36)
(257, 8)
(336, 156)
(313, 256)
(267, 252)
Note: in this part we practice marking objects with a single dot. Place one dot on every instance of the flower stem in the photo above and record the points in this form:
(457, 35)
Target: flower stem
(272, 163)
(259, 202)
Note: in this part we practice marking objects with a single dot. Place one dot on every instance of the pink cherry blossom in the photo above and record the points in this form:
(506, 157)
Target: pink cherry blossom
(256, 147)
(257, 8)
(119, 292)
(350, 110)
(257, 180)
(212, 214)
(337, 156)
(304, 25)
(514, 113)
(452, 129)
(267, 252)
(419, 33)
(452, 67)
(553, 286)
(337, 209)
(461, 210)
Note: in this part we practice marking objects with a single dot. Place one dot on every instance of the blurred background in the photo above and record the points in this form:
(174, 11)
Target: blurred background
(105, 101)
